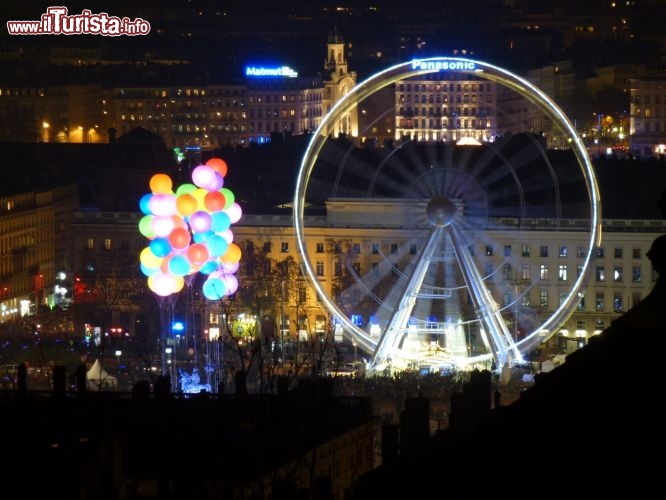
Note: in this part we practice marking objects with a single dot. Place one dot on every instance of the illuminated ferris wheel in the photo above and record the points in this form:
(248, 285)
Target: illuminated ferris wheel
(428, 234)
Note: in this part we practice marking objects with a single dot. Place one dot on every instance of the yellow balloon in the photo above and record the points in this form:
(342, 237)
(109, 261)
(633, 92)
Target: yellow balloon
(186, 204)
(149, 259)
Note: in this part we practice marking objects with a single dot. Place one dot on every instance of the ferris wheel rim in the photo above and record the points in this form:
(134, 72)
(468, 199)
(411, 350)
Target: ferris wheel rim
(424, 66)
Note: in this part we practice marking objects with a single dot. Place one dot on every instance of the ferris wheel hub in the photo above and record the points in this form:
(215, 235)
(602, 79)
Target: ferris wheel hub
(440, 211)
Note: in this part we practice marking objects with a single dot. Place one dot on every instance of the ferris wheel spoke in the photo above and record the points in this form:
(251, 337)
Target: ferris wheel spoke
(445, 291)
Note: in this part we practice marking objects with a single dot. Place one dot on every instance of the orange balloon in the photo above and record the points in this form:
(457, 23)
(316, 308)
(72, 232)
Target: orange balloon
(219, 165)
(186, 204)
(161, 184)
(215, 201)
(179, 238)
(197, 254)
(232, 255)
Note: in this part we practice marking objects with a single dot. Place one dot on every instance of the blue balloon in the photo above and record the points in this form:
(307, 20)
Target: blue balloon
(160, 247)
(201, 237)
(150, 271)
(220, 221)
(209, 267)
(214, 288)
(179, 265)
(216, 245)
(144, 203)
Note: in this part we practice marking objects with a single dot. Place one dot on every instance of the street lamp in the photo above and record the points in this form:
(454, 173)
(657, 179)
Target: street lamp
(118, 353)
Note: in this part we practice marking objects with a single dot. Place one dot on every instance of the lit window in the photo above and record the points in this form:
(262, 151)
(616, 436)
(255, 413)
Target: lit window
(525, 251)
(599, 301)
(617, 303)
(617, 273)
(543, 298)
(319, 268)
(543, 271)
(90, 243)
(563, 251)
(107, 243)
(581, 301)
(562, 272)
(600, 273)
(636, 274)
(526, 273)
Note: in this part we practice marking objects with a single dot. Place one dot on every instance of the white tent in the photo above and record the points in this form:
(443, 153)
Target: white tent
(98, 379)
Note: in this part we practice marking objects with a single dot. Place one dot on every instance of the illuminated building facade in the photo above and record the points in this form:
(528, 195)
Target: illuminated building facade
(449, 108)
(270, 100)
(33, 248)
(647, 120)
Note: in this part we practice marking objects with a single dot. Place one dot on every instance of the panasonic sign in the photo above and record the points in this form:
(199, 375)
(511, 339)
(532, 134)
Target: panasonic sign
(443, 65)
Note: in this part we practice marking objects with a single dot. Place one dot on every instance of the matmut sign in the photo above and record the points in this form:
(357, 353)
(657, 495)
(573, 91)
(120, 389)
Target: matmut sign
(261, 72)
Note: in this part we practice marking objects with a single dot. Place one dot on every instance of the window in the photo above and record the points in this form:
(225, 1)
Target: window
(268, 246)
(562, 272)
(636, 253)
(581, 301)
(579, 270)
(489, 250)
(107, 243)
(617, 274)
(394, 248)
(356, 248)
(489, 270)
(526, 299)
(284, 247)
(563, 297)
(636, 274)
(600, 252)
(543, 271)
(543, 251)
(599, 302)
(319, 268)
(357, 268)
(580, 252)
(90, 243)
(320, 248)
(507, 250)
(507, 271)
(543, 298)
(600, 273)
(337, 269)
(563, 251)
(617, 302)
(413, 249)
(525, 251)
(375, 248)
(302, 295)
(618, 253)
(600, 324)
(526, 273)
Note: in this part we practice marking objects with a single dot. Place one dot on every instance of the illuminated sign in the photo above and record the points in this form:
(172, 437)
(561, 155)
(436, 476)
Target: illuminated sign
(281, 72)
(443, 65)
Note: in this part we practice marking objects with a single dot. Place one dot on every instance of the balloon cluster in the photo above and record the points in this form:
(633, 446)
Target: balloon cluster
(189, 232)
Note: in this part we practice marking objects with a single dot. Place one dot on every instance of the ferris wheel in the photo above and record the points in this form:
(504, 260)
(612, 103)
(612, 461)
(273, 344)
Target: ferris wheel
(428, 236)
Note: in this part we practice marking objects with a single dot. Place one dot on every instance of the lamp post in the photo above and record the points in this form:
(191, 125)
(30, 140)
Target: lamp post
(118, 353)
